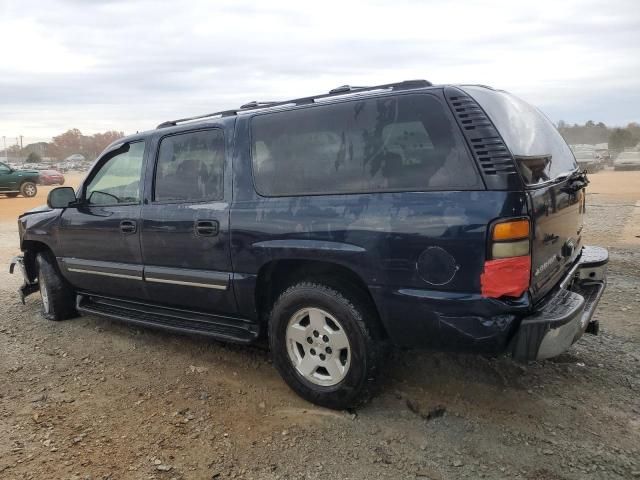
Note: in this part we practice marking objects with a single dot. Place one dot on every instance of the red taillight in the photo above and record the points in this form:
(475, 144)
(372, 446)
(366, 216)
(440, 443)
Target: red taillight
(507, 271)
(506, 277)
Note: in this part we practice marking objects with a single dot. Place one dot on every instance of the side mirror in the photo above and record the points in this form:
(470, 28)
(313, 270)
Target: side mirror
(61, 197)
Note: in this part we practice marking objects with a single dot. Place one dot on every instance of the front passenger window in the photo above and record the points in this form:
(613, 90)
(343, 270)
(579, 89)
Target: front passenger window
(118, 180)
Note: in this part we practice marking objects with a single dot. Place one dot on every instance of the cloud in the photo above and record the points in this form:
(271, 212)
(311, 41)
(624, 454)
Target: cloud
(132, 64)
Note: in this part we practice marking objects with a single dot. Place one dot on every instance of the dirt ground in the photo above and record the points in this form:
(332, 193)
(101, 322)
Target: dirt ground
(91, 398)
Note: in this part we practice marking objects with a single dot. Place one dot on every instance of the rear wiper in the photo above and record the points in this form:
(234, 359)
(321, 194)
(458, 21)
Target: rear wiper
(576, 180)
(571, 174)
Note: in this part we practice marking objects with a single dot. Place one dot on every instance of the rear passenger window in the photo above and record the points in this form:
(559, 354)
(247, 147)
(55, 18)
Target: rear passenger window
(403, 143)
(190, 167)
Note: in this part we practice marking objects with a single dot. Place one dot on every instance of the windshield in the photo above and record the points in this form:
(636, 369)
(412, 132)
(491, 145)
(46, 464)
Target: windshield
(539, 149)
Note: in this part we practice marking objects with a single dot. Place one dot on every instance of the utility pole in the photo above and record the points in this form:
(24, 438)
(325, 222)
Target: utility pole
(20, 142)
(4, 142)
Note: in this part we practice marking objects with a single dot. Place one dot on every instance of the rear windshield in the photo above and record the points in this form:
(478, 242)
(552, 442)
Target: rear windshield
(402, 143)
(539, 149)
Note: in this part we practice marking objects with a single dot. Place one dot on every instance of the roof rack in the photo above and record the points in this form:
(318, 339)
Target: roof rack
(342, 90)
(256, 104)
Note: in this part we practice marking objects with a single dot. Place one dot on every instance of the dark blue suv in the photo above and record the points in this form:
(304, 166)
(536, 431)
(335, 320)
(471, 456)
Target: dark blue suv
(411, 214)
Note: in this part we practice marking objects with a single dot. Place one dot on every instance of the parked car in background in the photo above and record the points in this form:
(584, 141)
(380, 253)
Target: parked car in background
(333, 225)
(14, 182)
(602, 152)
(51, 177)
(587, 161)
(627, 161)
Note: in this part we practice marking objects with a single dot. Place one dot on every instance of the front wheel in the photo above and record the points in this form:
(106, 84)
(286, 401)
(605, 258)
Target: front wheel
(323, 344)
(28, 189)
(58, 297)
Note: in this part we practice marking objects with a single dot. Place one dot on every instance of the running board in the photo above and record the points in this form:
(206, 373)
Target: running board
(172, 319)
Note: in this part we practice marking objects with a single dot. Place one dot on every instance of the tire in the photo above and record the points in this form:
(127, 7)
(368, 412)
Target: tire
(11, 195)
(306, 308)
(28, 189)
(58, 297)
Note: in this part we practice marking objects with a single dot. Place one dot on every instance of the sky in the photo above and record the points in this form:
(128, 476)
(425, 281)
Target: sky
(128, 65)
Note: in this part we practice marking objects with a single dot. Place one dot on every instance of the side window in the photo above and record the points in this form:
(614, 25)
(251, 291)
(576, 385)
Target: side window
(118, 180)
(4, 169)
(190, 167)
(386, 144)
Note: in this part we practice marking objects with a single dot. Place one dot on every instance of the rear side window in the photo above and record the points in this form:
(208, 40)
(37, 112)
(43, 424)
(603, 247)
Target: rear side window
(540, 151)
(190, 167)
(403, 143)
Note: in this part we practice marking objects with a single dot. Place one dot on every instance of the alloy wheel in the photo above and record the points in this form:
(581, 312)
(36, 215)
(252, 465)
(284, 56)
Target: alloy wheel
(318, 346)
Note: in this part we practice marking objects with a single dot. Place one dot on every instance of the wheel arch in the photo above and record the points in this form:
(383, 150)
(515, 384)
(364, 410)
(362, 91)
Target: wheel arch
(31, 249)
(276, 275)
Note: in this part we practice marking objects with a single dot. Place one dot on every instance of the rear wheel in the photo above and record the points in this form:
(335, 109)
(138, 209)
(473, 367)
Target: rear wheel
(58, 297)
(323, 346)
(28, 189)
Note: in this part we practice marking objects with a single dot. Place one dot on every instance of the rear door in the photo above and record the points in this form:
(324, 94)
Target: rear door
(557, 211)
(185, 222)
(549, 171)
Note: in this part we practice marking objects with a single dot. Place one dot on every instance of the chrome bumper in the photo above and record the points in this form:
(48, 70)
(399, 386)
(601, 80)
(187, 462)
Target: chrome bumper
(567, 313)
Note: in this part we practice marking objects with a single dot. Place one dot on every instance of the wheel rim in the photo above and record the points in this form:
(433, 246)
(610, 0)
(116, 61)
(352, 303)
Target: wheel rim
(318, 346)
(29, 190)
(44, 294)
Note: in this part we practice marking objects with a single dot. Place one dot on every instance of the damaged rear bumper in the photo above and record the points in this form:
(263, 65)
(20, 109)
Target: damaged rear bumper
(564, 315)
(29, 285)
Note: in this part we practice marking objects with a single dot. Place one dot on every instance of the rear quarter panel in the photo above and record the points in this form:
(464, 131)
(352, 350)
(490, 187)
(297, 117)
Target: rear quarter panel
(378, 236)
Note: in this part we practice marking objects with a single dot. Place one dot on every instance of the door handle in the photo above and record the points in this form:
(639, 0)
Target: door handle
(207, 228)
(128, 226)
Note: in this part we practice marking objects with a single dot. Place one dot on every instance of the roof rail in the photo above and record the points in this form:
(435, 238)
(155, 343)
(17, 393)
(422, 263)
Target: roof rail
(256, 104)
(342, 90)
(345, 89)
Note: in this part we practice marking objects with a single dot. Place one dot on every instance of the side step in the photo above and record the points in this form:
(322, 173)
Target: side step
(173, 319)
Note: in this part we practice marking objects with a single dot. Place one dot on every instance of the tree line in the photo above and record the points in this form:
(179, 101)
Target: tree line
(592, 133)
(68, 143)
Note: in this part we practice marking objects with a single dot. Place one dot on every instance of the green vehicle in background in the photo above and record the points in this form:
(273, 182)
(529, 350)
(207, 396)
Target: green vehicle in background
(15, 182)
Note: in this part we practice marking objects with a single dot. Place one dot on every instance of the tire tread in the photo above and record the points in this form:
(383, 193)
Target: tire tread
(61, 294)
(375, 347)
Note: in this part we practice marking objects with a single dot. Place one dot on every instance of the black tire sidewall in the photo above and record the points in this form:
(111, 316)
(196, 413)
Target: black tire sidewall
(60, 295)
(350, 317)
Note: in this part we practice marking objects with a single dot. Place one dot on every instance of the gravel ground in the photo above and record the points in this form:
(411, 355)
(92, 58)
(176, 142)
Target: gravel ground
(91, 398)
